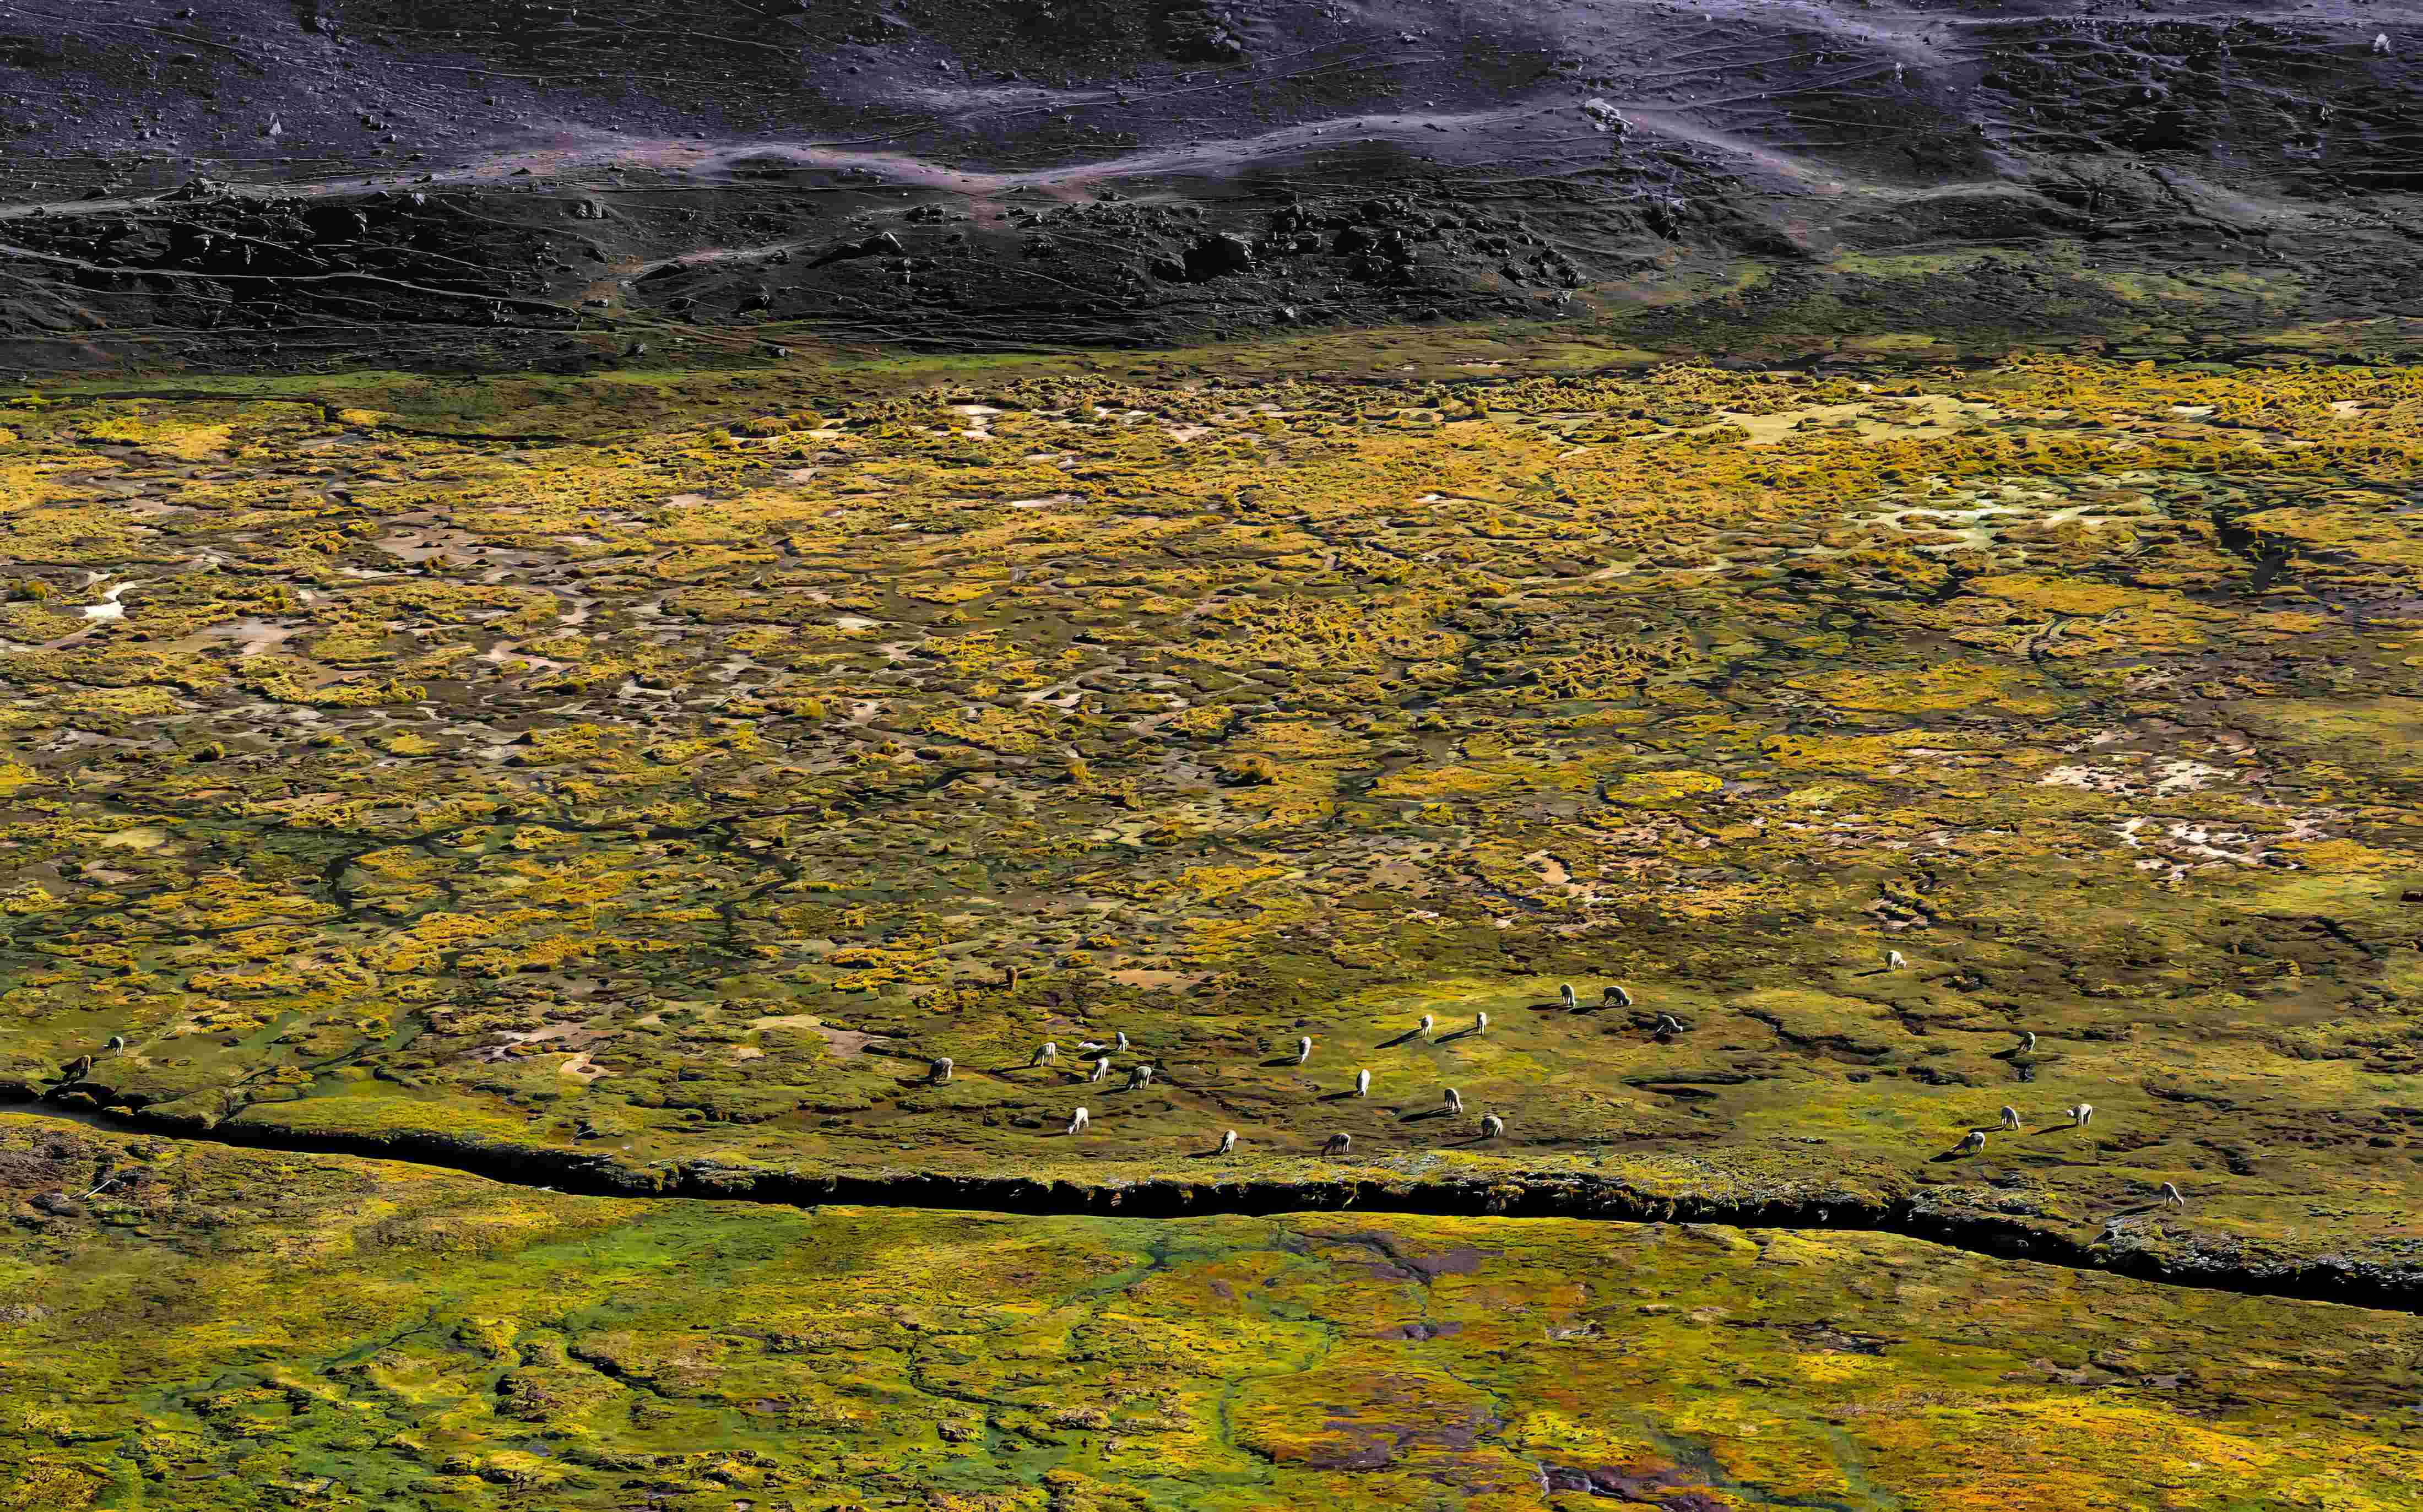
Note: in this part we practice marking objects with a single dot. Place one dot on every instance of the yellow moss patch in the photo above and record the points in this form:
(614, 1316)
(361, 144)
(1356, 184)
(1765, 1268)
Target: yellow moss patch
(1952, 686)
(1659, 789)
(1443, 782)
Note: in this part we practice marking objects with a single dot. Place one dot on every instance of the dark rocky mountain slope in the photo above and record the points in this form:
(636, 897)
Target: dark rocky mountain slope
(249, 182)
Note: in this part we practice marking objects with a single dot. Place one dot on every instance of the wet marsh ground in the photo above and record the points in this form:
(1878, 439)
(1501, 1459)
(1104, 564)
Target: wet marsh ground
(198, 1327)
(665, 796)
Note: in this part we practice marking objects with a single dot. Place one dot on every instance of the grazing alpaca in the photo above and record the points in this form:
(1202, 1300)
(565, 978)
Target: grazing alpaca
(1893, 960)
(1139, 1077)
(1480, 1024)
(1362, 1084)
(1492, 1126)
(1338, 1144)
(1083, 1122)
(1454, 1101)
(2010, 1118)
(939, 1071)
(1566, 992)
(1304, 1050)
(1615, 998)
(1228, 1143)
(1050, 1052)
(1976, 1141)
(2080, 1114)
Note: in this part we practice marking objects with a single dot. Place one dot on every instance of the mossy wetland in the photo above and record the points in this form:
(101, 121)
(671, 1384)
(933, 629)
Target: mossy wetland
(639, 784)
(200, 1327)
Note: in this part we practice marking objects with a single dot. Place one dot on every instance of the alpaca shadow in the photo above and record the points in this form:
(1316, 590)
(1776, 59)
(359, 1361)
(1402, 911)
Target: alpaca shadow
(1557, 1003)
(1212, 1154)
(1282, 1060)
(1338, 1097)
(1451, 1037)
(1948, 1156)
(2051, 1129)
(1406, 1038)
(1425, 1115)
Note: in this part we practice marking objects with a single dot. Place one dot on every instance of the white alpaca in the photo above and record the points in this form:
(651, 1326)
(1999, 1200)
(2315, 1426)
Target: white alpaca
(1566, 992)
(1228, 1143)
(1480, 1024)
(1139, 1077)
(940, 1069)
(2010, 1118)
(1492, 1126)
(1976, 1141)
(1362, 1084)
(2081, 1114)
(2027, 1042)
(1424, 1029)
(1083, 1122)
(1304, 1050)
(1893, 960)
(1049, 1053)
(1338, 1144)
(1102, 1069)
(2171, 1197)
(1615, 998)
(1123, 1040)
(1454, 1101)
